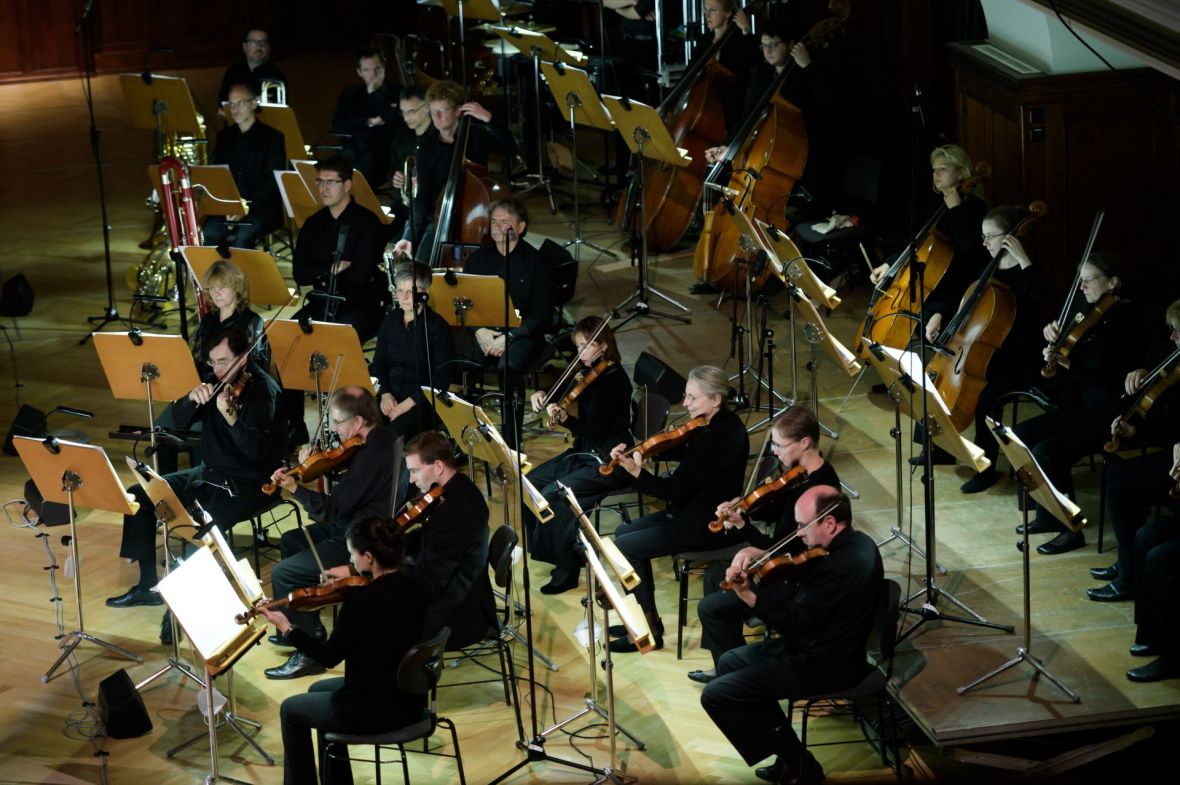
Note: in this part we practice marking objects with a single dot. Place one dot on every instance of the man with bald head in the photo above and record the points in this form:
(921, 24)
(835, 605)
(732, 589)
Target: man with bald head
(823, 619)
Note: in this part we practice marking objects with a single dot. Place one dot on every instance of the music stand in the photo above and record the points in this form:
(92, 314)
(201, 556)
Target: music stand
(792, 267)
(917, 396)
(1033, 483)
(483, 10)
(221, 195)
(267, 287)
(646, 137)
(475, 300)
(78, 475)
(302, 358)
(580, 105)
(170, 514)
(164, 106)
(141, 366)
(308, 173)
(205, 593)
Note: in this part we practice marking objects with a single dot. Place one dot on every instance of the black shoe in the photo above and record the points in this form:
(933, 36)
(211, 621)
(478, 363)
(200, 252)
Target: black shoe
(941, 458)
(1040, 527)
(166, 629)
(771, 773)
(1063, 543)
(620, 631)
(562, 580)
(625, 645)
(296, 666)
(1156, 670)
(980, 482)
(1108, 593)
(812, 774)
(703, 677)
(703, 287)
(135, 596)
(279, 639)
(1143, 650)
(1105, 573)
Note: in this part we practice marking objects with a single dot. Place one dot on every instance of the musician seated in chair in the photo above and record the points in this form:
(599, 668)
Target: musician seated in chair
(241, 442)
(795, 442)
(377, 625)
(1156, 568)
(365, 491)
(403, 151)
(253, 151)
(254, 69)
(435, 156)
(415, 349)
(824, 616)
(367, 113)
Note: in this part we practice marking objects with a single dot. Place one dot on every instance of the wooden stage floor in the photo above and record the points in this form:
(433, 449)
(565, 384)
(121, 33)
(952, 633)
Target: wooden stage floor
(50, 228)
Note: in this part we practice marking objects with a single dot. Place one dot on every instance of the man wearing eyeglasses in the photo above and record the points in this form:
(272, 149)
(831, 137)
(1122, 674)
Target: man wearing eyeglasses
(415, 114)
(254, 69)
(253, 151)
(824, 615)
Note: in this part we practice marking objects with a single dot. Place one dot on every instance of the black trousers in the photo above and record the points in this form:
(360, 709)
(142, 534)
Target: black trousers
(554, 540)
(313, 710)
(191, 485)
(238, 235)
(722, 614)
(743, 701)
(1157, 587)
(641, 541)
(1132, 486)
(511, 366)
(298, 570)
(1059, 439)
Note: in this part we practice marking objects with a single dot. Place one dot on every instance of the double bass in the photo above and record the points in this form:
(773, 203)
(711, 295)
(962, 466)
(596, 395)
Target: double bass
(965, 347)
(765, 159)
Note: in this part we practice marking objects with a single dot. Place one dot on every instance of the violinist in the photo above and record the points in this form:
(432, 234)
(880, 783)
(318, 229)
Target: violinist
(710, 470)
(1082, 421)
(376, 625)
(365, 491)
(447, 105)
(824, 617)
(241, 440)
(794, 439)
(227, 291)
(1156, 567)
(602, 421)
(451, 547)
(415, 349)
(1135, 485)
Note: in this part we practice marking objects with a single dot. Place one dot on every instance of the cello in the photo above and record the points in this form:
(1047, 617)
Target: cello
(765, 159)
(965, 347)
(894, 298)
(694, 112)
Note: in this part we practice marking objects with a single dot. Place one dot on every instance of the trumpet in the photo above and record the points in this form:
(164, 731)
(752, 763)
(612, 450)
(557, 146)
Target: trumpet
(269, 86)
(409, 187)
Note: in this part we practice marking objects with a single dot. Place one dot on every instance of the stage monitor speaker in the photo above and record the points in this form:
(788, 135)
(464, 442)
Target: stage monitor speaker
(121, 706)
(16, 297)
(659, 378)
(29, 421)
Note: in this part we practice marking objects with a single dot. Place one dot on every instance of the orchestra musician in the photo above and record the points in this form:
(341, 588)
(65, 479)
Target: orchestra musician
(368, 117)
(253, 151)
(434, 158)
(415, 349)
(227, 290)
(1156, 569)
(709, 471)
(795, 436)
(376, 626)
(824, 612)
(241, 440)
(603, 419)
(1082, 421)
(1134, 485)
(415, 114)
(451, 548)
(734, 54)
(254, 69)
(365, 491)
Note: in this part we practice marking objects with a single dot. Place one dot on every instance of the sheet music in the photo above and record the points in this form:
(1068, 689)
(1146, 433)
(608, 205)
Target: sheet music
(241, 570)
(204, 603)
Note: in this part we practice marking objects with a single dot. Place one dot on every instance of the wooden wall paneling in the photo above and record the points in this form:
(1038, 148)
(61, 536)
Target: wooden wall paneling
(11, 34)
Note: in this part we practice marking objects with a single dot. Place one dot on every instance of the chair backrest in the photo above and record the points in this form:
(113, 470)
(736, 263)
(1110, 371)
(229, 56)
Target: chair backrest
(418, 672)
(362, 192)
(298, 203)
(563, 271)
(500, 549)
(659, 377)
(862, 181)
(883, 637)
(649, 413)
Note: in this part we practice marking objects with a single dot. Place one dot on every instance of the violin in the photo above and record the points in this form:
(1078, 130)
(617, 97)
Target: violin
(1154, 385)
(416, 508)
(789, 479)
(661, 442)
(1060, 349)
(317, 464)
(312, 598)
(236, 389)
(779, 568)
(582, 381)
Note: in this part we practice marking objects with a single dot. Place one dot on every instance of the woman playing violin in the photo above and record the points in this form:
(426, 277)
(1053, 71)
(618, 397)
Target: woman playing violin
(376, 625)
(823, 619)
(794, 438)
(1135, 485)
(710, 470)
(365, 491)
(603, 420)
(1090, 399)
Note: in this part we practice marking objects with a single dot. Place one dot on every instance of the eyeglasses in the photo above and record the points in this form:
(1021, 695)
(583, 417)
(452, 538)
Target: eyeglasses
(257, 42)
(1092, 279)
(986, 237)
(222, 363)
(321, 182)
(782, 445)
(238, 104)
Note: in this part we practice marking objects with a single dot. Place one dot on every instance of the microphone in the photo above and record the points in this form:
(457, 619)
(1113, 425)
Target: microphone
(341, 239)
(73, 411)
(204, 520)
(150, 451)
(135, 336)
(760, 262)
(916, 106)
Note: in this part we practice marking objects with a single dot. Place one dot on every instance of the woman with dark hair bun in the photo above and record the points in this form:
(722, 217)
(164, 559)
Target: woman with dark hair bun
(377, 624)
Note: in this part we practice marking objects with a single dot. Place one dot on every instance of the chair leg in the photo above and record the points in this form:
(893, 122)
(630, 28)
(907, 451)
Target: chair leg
(1102, 506)
(682, 610)
(505, 655)
(449, 725)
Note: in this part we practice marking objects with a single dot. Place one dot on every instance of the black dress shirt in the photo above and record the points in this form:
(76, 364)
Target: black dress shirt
(240, 73)
(211, 323)
(962, 225)
(400, 361)
(782, 508)
(253, 157)
(365, 490)
(530, 287)
(365, 243)
(604, 414)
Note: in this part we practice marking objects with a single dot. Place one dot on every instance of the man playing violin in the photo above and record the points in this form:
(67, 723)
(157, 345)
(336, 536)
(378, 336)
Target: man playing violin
(795, 443)
(365, 491)
(242, 438)
(824, 618)
(451, 548)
